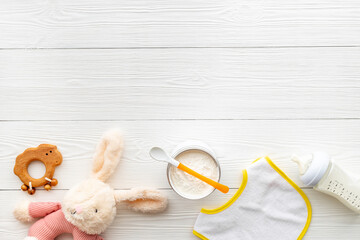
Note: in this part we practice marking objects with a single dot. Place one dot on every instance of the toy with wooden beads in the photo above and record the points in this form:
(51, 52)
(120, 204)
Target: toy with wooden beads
(45, 153)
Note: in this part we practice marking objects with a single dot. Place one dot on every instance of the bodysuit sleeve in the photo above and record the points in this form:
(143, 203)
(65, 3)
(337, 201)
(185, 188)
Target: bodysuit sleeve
(41, 209)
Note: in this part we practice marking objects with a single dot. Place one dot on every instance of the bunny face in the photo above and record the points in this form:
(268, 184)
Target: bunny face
(90, 206)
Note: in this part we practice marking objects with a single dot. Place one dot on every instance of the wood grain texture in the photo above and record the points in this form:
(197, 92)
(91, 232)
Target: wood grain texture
(250, 78)
(331, 220)
(189, 23)
(281, 83)
(237, 144)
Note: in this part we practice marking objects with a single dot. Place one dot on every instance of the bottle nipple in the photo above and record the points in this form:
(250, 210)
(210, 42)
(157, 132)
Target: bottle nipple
(302, 162)
(312, 167)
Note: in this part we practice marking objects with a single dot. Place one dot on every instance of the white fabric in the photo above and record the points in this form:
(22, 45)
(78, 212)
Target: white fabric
(268, 208)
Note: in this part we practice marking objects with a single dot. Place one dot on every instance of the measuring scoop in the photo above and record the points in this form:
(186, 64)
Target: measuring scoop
(160, 155)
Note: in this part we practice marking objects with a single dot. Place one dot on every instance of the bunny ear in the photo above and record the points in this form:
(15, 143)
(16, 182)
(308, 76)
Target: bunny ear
(107, 155)
(142, 200)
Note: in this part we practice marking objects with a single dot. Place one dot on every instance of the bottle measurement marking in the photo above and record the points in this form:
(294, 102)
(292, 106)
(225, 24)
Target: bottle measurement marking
(339, 189)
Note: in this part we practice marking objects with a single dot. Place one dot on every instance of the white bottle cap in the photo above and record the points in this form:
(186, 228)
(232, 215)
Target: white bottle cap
(317, 167)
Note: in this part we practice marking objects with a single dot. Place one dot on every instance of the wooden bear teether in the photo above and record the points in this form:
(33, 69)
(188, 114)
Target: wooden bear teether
(45, 153)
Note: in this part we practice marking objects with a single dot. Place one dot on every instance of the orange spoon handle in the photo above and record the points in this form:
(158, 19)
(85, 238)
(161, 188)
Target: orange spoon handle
(209, 181)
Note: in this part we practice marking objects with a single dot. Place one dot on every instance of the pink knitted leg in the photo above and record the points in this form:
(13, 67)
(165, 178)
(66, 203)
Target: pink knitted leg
(41, 209)
(40, 231)
(79, 235)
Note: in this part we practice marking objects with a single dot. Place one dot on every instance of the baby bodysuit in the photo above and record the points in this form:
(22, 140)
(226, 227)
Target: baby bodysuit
(267, 206)
(53, 223)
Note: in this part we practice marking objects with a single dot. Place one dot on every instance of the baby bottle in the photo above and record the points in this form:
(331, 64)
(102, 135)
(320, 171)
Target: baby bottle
(318, 171)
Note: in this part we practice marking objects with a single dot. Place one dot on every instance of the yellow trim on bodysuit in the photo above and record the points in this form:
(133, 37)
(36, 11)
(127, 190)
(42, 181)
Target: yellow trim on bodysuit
(301, 192)
(241, 189)
(199, 235)
(232, 200)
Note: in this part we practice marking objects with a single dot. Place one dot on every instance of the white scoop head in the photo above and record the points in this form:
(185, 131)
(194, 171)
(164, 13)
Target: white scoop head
(160, 155)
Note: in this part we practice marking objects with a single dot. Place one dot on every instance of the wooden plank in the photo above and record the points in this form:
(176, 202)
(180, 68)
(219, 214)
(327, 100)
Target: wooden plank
(331, 220)
(180, 84)
(188, 23)
(237, 144)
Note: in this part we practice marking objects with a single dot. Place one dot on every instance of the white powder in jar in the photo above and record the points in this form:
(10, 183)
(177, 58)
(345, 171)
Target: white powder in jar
(189, 186)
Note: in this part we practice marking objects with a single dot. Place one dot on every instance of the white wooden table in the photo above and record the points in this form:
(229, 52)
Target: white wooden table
(250, 78)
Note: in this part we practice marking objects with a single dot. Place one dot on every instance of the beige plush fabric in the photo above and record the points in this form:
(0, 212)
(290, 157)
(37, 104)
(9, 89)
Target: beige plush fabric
(21, 211)
(143, 200)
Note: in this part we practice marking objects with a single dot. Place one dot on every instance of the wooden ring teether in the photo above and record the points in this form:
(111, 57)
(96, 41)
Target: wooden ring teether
(45, 153)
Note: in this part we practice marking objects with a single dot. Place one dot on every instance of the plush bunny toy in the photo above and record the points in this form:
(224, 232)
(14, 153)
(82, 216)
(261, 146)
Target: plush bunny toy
(89, 207)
